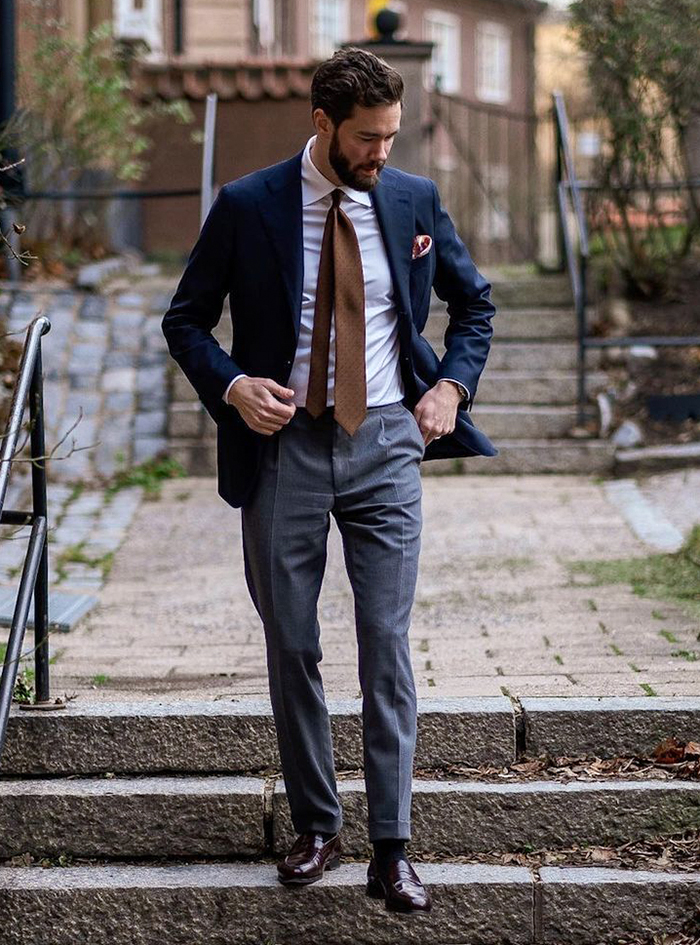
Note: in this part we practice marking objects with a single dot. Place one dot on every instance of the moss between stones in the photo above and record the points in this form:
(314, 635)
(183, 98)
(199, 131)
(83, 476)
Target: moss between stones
(671, 576)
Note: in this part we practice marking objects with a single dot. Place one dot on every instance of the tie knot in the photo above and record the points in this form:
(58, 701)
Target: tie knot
(336, 195)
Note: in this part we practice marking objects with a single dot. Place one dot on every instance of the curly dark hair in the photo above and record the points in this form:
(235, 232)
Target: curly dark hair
(354, 76)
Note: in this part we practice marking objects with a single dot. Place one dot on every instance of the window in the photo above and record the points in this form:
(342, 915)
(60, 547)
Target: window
(493, 62)
(272, 27)
(330, 26)
(444, 69)
(139, 19)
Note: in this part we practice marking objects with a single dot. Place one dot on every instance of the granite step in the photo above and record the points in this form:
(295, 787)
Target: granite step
(546, 386)
(544, 324)
(235, 903)
(222, 816)
(239, 736)
(517, 355)
(526, 456)
(526, 421)
(524, 324)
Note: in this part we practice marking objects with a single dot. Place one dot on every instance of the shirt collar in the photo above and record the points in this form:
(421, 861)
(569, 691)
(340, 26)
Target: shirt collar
(314, 185)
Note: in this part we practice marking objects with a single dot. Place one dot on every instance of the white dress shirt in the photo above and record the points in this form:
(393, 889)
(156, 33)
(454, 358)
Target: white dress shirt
(383, 374)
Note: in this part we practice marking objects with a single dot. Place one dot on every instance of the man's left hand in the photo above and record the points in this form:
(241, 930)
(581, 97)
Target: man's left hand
(436, 411)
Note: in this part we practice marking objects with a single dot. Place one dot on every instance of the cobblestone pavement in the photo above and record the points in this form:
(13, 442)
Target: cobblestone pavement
(496, 609)
(105, 400)
(105, 357)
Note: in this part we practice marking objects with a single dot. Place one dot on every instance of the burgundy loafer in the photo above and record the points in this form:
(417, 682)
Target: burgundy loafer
(309, 856)
(398, 884)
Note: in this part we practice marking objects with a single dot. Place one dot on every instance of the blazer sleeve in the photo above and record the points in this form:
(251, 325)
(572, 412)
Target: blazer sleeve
(196, 308)
(467, 293)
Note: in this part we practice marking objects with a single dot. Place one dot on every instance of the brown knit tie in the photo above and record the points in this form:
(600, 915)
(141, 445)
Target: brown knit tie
(340, 280)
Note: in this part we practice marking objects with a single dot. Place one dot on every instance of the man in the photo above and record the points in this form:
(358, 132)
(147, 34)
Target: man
(327, 404)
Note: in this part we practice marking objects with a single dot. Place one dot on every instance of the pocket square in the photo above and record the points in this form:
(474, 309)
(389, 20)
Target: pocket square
(421, 245)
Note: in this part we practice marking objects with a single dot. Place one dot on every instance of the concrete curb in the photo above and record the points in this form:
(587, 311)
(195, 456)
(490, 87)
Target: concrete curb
(657, 458)
(241, 904)
(239, 737)
(234, 816)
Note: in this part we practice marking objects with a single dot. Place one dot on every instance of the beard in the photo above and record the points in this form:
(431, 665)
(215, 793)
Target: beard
(358, 179)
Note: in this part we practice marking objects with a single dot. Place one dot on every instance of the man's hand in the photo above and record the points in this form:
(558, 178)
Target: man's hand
(256, 399)
(436, 411)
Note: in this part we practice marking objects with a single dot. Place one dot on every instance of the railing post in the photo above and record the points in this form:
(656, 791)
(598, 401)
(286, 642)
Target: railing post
(558, 177)
(581, 331)
(40, 507)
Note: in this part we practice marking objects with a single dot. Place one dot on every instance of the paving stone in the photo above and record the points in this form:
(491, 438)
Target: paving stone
(132, 300)
(63, 321)
(159, 303)
(153, 399)
(151, 358)
(118, 402)
(119, 379)
(151, 380)
(147, 447)
(93, 308)
(88, 401)
(126, 320)
(152, 423)
(24, 311)
(120, 359)
(86, 331)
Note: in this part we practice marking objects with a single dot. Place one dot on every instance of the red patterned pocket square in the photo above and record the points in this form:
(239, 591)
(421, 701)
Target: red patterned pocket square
(421, 245)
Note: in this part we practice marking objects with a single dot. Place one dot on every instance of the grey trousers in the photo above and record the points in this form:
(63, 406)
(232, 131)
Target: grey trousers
(370, 482)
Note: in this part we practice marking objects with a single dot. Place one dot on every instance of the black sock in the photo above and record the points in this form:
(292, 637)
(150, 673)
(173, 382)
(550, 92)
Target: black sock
(389, 849)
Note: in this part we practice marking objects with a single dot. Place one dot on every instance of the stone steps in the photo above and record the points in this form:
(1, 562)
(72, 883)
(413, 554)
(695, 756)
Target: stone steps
(237, 737)
(236, 903)
(521, 421)
(128, 817)
(181, 792)
(592, 457)
(544, 387)
(537, 292)
(536, 324)
(513, 354)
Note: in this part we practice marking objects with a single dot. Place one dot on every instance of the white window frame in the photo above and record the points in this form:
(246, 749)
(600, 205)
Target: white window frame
(445, 30)
(492, 57)
(146, 23)
(264, 19)
(329, 26)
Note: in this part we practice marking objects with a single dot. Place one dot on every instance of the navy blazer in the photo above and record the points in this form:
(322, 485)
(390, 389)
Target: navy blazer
(251, 249)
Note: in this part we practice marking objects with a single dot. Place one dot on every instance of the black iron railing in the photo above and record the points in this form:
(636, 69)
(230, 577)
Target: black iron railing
(34, 579)
(576, 257)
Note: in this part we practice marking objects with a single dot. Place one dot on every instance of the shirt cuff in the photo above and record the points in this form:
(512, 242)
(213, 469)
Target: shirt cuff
(236, 378)
(463, 390)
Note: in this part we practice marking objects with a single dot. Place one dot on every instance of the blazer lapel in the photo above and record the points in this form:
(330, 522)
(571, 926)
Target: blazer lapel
(281, 212)
(395, 215)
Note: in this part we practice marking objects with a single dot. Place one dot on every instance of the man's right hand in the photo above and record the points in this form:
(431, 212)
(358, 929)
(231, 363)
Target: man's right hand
(256, 399)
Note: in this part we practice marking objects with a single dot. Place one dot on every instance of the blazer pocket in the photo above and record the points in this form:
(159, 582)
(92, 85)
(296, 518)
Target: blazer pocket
(421, 261)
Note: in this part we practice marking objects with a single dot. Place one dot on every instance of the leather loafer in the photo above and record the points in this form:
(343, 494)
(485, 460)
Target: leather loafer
(398, 884)
(309, 856)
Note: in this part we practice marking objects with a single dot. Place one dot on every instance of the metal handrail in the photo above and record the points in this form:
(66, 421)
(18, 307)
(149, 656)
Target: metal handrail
(35, 572)
(577, 263)
(568, 186)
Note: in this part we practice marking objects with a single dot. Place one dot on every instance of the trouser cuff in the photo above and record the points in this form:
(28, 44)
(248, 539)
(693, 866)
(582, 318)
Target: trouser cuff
(389, 829)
